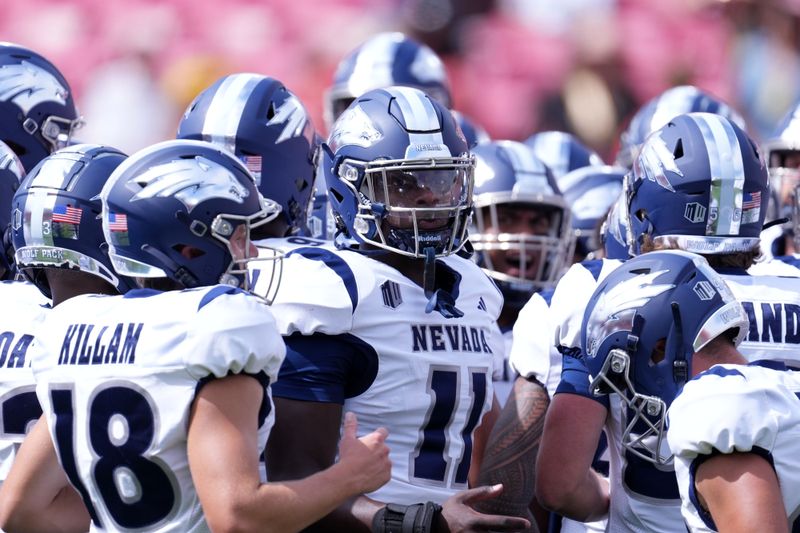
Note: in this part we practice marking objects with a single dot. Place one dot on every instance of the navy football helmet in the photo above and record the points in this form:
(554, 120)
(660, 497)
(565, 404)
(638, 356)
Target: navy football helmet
(782, 154)
(699, 184)
(182, 195)
(11, 174)
(265, 125)
(659, 110)
(527, 249)
(641, 328)
(37, 112)
(384, 60)
(473, 132)
(399, 174)
(614, 230)
(56, 214)
(562, 152)
(590, 192)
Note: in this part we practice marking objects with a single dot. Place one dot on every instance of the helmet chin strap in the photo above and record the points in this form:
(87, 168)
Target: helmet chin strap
(438, 299)
(429, 274)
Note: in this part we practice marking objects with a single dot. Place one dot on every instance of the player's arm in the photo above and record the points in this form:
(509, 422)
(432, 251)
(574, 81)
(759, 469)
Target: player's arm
(565, 480)
(36, 495)
(480, 439)
(298, 448)
(741, 492)
(512, 448)
(223, 456)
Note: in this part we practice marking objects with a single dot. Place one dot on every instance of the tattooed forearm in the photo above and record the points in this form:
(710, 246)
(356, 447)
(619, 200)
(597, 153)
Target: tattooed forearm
(512, 447)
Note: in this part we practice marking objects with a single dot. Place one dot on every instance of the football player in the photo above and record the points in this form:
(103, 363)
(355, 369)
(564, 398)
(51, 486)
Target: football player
(521, 232)
(659, 110)
(400, 329)
(590, 192)
(37, 110)
(55, 225)
(660, 336)
(782, 154)
(145, 392)
(267, 127)
(24, 307)
(384, 60)
(562, 152)
(523, 239)
(698, 184)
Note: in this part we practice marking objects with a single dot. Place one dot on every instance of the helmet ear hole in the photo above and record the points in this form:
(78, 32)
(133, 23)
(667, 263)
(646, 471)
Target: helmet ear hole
(659, 351)
(677, 153)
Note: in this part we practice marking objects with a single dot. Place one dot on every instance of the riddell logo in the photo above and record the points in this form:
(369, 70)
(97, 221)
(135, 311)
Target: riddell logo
(694, 212)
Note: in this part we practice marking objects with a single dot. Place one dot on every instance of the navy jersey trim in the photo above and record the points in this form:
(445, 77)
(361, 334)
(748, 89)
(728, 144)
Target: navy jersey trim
(325, 368)
(216, 292)
(335, 263)
(141, 293)
(575, 380)
(705, 516)
(261, 377)
(594, 266)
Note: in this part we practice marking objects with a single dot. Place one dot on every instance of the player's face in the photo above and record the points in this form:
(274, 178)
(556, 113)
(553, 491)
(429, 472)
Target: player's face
(421, 189)
(518, 219)
(790, 180)
(242, 248)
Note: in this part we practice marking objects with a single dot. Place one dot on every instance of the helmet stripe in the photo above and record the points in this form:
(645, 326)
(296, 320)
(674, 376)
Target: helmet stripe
(727, 174)
(417, 110)
(522, 159)
(420, 115)
(37, 224)
(552, 143)
(679, 101)
(373, 65)
(226, 108)
(54, 173)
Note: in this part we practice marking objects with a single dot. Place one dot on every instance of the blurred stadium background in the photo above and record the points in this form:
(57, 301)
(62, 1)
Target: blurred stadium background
(516, 66)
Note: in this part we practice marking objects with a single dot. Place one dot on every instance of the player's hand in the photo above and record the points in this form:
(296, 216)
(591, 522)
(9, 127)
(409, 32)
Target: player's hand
(366, 458)
(458, 516)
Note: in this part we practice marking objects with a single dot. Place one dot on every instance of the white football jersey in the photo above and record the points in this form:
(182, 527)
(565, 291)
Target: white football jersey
(117, 376)
(772, 304)
(785, 265)
(425, 377)
(737, 408)
(23, 308)
(533, 353)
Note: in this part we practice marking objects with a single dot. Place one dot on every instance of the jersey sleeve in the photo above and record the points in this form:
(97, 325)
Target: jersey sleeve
(233, 332)
(721, 411)
(326, 368)
(575, 379)
(569, 301)
(318, 293)
(533, 338)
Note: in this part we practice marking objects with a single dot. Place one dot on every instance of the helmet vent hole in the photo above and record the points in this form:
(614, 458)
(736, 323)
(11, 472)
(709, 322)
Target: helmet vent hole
(678, 152)
(271, 111)
(640, 271)
(659, 352)
(337, 195)
(189, 252)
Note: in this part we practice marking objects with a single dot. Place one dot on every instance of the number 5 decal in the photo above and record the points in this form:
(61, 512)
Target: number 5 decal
(432, 458)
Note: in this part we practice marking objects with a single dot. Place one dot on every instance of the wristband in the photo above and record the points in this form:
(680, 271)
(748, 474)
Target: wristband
(417, 518)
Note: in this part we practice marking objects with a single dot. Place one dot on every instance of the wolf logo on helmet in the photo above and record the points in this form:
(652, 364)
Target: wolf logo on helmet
(192, 181)
(28, 85)
(292, 112)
